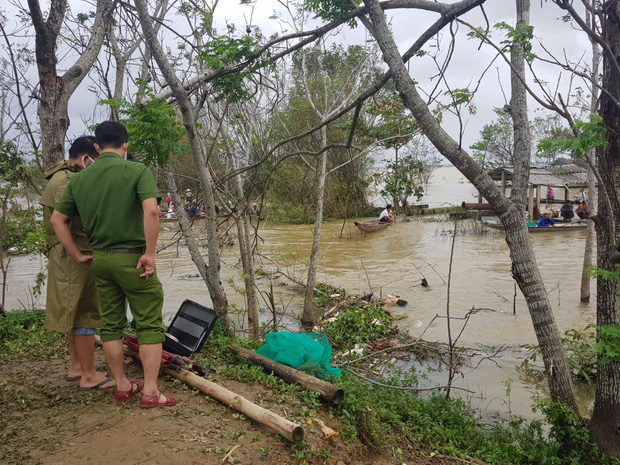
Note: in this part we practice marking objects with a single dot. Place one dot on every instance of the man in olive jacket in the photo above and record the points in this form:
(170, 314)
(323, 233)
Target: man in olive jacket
(71, 305)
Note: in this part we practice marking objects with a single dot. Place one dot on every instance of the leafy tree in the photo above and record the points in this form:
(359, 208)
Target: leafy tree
(550, 126)
(153, 126)
(495, 146)
(401, 181)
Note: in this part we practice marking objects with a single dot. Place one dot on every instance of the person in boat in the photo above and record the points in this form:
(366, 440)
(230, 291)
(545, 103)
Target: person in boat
(117, 202)
(546, 221)
(386, 215)
(71, 303)
(192, 210)
(550, 194)
(581, 210)
(566, 212)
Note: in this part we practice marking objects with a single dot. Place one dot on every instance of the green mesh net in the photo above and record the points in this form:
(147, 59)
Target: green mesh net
(307, 352)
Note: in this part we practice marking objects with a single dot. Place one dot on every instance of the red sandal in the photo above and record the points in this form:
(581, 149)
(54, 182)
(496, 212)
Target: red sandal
(153, 401)
(124, 396)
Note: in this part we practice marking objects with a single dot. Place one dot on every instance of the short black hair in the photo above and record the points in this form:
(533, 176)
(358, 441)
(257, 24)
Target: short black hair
(388, 206)
(83, 145)
(111, 134)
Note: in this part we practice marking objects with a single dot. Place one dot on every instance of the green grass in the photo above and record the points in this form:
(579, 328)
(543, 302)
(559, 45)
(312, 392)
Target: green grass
(391, 421)
(22, 335)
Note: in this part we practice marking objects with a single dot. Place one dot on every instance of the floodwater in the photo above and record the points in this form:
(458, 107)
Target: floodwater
(393, 261)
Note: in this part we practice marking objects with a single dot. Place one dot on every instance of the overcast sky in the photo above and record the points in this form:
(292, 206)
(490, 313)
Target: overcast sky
(468, 62)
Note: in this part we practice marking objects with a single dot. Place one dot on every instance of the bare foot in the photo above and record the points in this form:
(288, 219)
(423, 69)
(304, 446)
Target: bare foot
(73, 376)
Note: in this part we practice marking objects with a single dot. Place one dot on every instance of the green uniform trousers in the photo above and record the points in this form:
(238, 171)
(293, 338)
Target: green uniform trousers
(117, 279)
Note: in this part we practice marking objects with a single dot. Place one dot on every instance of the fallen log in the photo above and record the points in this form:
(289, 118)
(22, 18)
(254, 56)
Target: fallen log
(326, 390)
(280, 425)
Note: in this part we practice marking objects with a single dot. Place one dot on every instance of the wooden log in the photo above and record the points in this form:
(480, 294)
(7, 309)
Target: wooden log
(326, 390)
(280, 425)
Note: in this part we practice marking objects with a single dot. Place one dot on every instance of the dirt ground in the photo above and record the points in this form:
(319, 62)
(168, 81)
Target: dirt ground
(45, 420)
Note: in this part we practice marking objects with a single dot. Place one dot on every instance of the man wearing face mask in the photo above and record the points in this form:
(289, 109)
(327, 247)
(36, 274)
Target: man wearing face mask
(71, 297)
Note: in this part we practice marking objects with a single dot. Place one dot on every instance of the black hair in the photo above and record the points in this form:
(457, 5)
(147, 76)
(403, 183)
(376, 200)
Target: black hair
(111, 134)
(83, 145)
(389, 205)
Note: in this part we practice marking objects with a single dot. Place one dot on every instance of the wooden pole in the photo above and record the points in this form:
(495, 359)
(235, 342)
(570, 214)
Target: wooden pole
(280, 425)
(326, 390)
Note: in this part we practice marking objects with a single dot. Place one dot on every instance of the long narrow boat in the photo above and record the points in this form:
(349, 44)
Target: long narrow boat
(557, 228)
(371, 226)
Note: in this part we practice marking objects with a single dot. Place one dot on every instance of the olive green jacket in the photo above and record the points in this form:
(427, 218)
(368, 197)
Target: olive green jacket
(71, 296)
(59, 176)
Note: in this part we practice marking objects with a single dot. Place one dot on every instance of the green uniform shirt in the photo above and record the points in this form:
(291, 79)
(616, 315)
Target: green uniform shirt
(108, 196)
(59, 176)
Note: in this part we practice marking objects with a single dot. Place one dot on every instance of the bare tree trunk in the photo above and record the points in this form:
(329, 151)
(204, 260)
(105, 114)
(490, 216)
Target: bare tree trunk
(524, 268)
(4, 265)
(216, 290)
(55, 90)
(520, 121)
(251, 287)
(592, 208)
(190, 240)
(247, 260)
(307, 318)
(605, 422)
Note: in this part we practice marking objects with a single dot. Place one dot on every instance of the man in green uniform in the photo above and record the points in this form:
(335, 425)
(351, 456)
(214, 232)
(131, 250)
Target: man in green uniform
(117, 202)
(71, 305)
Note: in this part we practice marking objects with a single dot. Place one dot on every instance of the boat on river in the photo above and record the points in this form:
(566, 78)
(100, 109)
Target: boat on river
(372, 226)
(545, 229)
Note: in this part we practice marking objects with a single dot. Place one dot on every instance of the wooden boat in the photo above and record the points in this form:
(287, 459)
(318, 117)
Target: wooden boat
(557, 228)
(371, 226)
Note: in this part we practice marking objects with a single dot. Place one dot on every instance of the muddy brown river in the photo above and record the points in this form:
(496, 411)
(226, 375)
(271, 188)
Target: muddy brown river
(393, 261)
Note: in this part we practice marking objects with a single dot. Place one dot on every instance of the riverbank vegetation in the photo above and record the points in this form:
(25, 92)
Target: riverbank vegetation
(400, 425)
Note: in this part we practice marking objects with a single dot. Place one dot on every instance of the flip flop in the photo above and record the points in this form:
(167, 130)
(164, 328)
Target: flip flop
(72, 378)
(96, 387)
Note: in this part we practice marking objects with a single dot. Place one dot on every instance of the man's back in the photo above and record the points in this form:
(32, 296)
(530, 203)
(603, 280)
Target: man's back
(108, 197)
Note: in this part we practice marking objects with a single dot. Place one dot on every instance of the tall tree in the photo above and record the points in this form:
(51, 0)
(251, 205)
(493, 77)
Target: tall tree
(326, 81)
(55, 89)
(592, 20)
(524, 268)
(211, 273)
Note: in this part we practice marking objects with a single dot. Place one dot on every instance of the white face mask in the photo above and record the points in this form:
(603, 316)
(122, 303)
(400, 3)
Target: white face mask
(83, 162)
